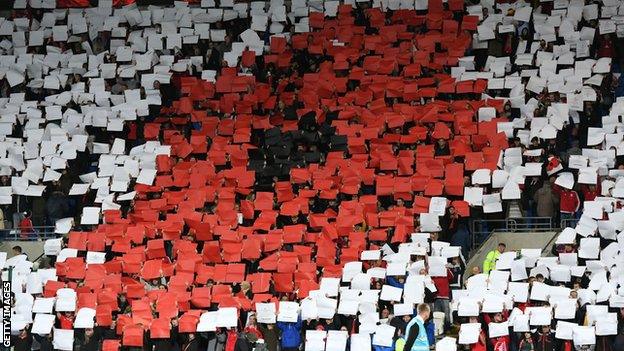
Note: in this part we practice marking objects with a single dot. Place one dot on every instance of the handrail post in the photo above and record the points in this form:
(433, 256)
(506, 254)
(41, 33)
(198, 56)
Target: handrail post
(472, 234)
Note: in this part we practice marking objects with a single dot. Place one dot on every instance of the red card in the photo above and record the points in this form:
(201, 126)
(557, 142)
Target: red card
(187, 323)
(283, 282)
(201, 297)
(152, 269)
(260, 282)
(160, 329)
(110, 345)
(133, 336)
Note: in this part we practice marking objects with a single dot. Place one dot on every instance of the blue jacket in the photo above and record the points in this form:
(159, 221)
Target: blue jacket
(392, 281)
(383, 348)
(421, 341)
(430, 328)
(619, 90)
(291, 333)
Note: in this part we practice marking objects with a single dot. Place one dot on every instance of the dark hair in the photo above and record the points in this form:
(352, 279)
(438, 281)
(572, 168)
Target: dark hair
(17, 248)
(502, 244)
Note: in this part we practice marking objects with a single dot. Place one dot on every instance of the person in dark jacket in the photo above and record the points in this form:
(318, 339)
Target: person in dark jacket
(90, 341)
(22, 341)
(543, 339)
(546, 201)
(192, 343)
(170, 344)
(45, 342)
(168, 93)
(57, 207)
(442, 148)
(38, 210)
(451, 222)
(270, 335)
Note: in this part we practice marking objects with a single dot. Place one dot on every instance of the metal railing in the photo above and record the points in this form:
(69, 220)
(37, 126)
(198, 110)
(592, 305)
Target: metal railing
(28, 234)
(568, 222)
(482, 228)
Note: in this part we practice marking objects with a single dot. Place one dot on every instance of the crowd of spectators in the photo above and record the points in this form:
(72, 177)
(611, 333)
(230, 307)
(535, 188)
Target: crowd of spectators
(290, 165)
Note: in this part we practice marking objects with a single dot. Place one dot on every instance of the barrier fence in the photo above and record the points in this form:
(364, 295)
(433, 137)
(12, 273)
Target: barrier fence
(480, 229)
(28, 234)
(569, 222)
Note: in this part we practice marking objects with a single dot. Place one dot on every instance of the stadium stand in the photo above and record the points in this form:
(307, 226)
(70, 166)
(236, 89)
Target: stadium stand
(235, 176)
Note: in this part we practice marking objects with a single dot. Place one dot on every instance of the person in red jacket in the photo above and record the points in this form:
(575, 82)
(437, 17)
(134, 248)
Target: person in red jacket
(566, 345)
(569, 203)
(231, 338)
(443, 297)
(26, 226)
(605, 46)
(500, 343)
(66, 320)
(590, 192)
(480, 344)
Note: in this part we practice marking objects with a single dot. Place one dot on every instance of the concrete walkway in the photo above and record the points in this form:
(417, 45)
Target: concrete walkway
(515, 242)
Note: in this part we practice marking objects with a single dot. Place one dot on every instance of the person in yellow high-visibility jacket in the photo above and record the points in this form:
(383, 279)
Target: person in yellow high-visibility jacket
(399, 344)
(491, 258)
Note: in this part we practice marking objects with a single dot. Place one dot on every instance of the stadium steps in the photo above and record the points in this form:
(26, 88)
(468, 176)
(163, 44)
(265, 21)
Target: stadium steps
(515, 242)
(33, 249)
